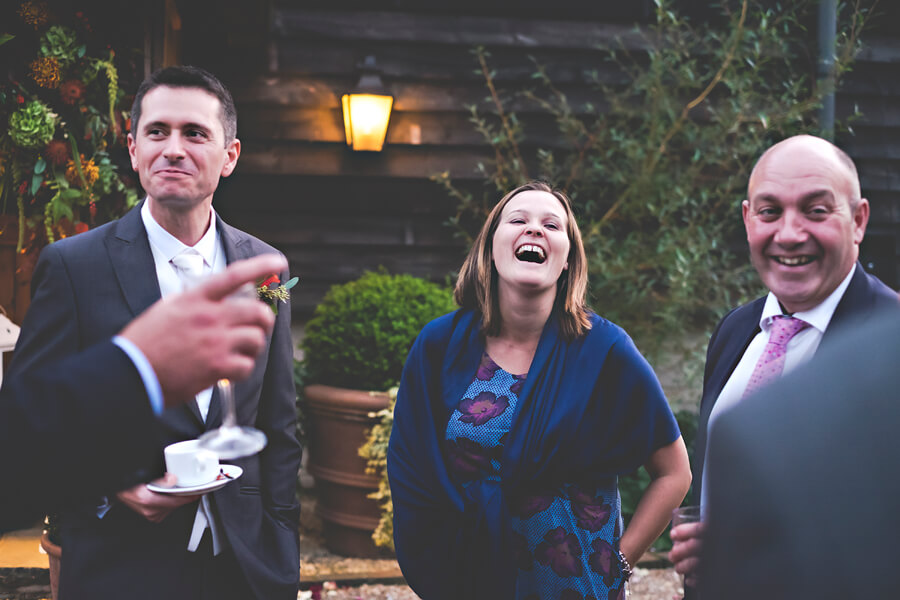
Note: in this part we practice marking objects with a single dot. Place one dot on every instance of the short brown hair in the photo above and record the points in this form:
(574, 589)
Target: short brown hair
(189, 77)
(476, 287)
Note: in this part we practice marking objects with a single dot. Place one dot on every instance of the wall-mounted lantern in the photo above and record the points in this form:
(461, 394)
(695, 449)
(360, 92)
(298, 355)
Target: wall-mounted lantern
(367, 110)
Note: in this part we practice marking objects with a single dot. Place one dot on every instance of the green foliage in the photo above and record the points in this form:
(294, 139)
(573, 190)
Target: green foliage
(631, 487)
(32, 126)
(375, 453)
(657, 175)
(63, 157)
(362, 331)
(61, 43)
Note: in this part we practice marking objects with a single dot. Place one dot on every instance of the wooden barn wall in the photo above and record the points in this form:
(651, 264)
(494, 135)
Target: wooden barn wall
(336, 213)
(873, 88)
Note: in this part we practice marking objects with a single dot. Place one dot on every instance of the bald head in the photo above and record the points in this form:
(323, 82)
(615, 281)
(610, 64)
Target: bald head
(804, 219)
(802, 148)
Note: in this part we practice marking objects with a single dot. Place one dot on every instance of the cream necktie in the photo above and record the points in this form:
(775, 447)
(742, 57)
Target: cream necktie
(189, 265)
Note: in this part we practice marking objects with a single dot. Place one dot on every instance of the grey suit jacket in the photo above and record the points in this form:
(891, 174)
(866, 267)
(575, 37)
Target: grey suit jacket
(803, 482)
(85, 289)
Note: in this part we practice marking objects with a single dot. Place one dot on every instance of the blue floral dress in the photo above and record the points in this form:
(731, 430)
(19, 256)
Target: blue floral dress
(565, 538)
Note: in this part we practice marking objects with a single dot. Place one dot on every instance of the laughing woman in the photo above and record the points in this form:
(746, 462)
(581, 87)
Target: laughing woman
(515, 416)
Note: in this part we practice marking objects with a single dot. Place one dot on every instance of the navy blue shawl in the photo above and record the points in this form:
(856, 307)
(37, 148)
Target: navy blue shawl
(590, 408)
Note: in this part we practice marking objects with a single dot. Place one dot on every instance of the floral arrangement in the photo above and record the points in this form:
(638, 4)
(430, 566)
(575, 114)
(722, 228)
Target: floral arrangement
(273, 295)
(62, 128)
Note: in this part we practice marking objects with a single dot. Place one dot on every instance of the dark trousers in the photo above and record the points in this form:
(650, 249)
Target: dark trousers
(214, 577)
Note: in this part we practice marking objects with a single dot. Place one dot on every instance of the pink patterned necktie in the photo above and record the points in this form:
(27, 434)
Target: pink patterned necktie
(771, 363)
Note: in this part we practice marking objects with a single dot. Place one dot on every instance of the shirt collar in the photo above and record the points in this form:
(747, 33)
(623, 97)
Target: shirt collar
(818, 316)
(170, 246)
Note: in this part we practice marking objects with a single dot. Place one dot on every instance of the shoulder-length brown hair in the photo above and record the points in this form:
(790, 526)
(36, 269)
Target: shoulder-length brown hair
(476, 287)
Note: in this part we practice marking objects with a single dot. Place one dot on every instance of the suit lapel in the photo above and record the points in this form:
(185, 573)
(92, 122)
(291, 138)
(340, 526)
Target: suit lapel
(237, 247)
(736, 333)
(132, 261)
(856, 299)
(744, 329)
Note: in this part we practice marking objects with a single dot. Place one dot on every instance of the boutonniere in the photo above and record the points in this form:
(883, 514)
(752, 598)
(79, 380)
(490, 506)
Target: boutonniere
(273, 295)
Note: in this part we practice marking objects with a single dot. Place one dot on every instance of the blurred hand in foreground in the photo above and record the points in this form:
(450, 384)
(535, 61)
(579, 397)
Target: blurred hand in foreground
(687, 543)
(199, 336)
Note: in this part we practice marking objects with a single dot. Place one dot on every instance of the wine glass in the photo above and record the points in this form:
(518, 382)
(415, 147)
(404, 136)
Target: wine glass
(231, 440)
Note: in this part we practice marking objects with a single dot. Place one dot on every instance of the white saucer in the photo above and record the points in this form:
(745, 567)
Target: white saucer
(227, 473)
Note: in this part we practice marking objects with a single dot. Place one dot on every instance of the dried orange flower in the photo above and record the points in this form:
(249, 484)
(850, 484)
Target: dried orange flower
(91, 172)
(72, 91)
(45, 72)
(57, 152)
(34, 13)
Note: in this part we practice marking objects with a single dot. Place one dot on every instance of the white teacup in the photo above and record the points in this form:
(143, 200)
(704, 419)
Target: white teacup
(191, 464)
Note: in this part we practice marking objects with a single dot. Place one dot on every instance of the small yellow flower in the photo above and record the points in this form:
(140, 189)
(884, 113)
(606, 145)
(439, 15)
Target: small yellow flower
(45, 72)
(91, 173)
(34, 13)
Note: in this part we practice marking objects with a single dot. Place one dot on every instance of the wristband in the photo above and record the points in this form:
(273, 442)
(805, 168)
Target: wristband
(627, 571)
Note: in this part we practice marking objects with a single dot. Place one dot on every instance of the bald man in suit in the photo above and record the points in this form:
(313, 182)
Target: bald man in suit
(805, 217)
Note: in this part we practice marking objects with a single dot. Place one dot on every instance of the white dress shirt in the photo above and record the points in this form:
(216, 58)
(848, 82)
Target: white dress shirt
(164, 247)
(799, 350)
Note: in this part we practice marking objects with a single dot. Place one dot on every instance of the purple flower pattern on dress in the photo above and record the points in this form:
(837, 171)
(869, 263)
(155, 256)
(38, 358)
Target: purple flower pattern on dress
(592, 512)
(486, 368)
(467, 458)
(526, 506)
(516, 388)
(482, 408)
(561, 551)
(604, 561)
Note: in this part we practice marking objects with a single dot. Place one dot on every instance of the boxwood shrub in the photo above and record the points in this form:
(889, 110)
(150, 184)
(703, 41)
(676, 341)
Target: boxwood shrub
(362, 330)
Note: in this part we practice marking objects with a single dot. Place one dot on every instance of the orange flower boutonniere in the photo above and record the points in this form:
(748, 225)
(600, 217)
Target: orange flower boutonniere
(271, 291)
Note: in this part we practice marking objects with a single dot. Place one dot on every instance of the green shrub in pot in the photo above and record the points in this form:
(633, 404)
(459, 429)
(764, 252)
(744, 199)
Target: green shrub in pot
(362, 330)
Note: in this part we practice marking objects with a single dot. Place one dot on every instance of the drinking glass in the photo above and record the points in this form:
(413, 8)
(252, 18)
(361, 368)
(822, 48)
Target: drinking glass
(685, 514)
(231, 440)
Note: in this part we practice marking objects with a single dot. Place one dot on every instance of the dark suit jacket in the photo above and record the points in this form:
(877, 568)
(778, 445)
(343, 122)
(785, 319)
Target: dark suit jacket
(51, 412)
(85, 289)
(803, 479)
(865, 295)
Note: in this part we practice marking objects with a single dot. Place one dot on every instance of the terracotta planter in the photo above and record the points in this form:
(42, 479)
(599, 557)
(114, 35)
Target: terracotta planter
(339, 424)
(54, 554)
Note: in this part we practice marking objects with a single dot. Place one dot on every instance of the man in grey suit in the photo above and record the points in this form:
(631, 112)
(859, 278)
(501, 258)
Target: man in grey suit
(803, 480)
(240, 541)
(76, 405)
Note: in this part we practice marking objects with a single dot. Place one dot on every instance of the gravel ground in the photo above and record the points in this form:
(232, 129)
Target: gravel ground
(647, 584)
(318, 564)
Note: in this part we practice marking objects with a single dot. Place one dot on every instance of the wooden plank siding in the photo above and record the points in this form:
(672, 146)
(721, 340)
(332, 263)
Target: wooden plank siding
(873, 87)
(336, 213)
